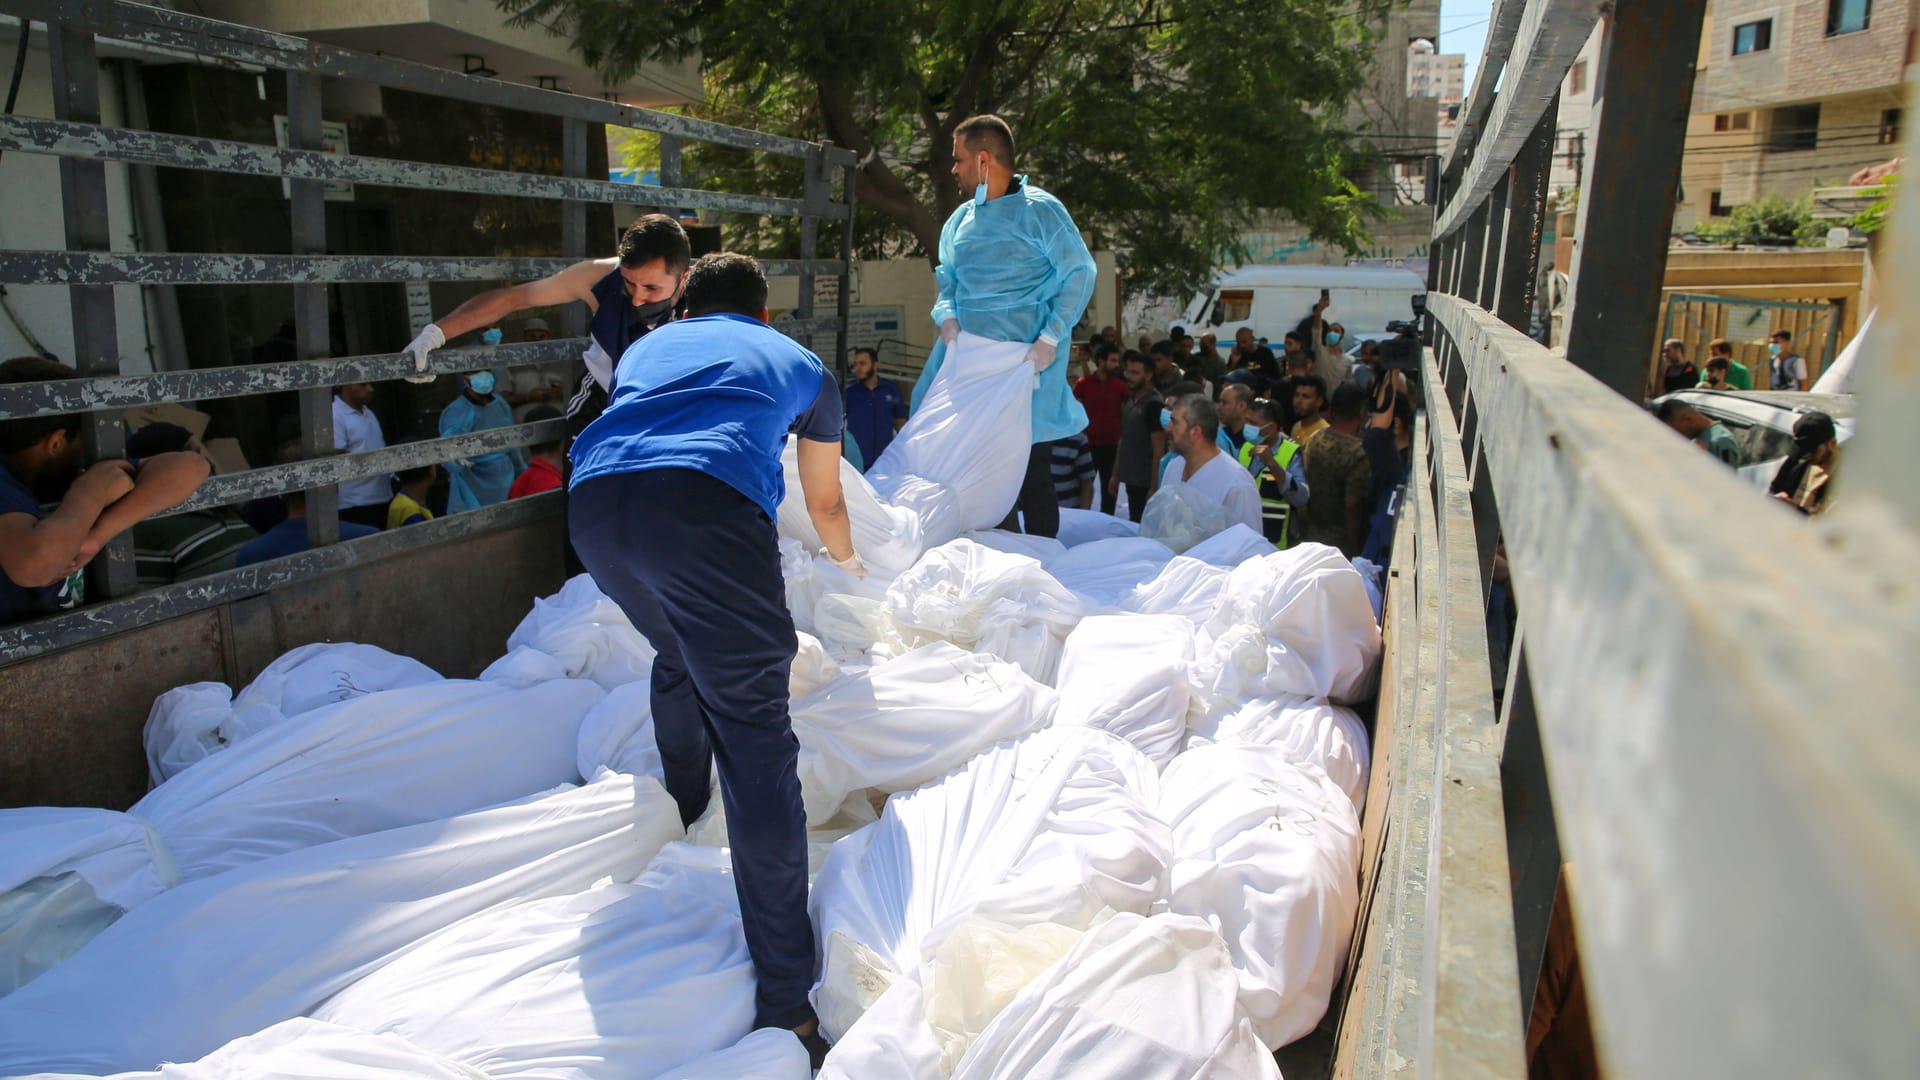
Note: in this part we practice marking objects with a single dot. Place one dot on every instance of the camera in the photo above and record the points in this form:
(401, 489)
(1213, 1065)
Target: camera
(1401, 352)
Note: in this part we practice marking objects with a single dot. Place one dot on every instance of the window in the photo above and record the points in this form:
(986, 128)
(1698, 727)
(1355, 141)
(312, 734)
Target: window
(1716, 208)
(1753, 37)
(1577, 78)
(1235, 305)
(1889, 127)
(1794, 127)
(1732, 121)
(1848, 16)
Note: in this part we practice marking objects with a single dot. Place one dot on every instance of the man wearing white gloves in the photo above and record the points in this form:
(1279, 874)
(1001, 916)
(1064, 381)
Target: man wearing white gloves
(630, 293)
(1013, 268)
(673, 499)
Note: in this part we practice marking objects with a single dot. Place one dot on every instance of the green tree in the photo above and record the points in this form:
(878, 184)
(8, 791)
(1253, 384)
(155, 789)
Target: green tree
(1772, 220)
(1164, 125)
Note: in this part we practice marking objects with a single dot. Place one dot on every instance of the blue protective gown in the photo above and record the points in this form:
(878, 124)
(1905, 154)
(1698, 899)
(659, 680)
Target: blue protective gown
(486, 479)
(1015, 269)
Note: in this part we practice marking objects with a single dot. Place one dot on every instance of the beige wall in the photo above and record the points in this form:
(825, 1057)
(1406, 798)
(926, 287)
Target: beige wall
(1803, 63)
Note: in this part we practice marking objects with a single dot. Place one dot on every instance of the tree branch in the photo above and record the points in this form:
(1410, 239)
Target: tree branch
(884, 191)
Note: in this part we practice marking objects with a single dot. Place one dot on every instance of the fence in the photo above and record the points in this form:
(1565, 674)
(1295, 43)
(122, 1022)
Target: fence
(1699, 318)
(88, 269)
(1740, 822)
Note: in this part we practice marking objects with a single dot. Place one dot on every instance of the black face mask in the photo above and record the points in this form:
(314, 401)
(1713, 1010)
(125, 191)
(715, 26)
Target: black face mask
(648, 314)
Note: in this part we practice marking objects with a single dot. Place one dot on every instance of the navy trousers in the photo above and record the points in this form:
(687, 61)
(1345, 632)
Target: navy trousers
(696, 566)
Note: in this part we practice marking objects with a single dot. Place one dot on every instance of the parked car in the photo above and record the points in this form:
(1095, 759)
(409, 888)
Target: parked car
(1762, 422)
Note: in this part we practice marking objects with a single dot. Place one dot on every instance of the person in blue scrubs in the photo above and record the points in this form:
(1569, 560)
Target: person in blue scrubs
(1013, 268)
(479, 481)
(672, 506)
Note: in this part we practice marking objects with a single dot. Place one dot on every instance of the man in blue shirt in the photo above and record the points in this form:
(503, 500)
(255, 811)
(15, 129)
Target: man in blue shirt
(1013, 268)
(43, 553)
(674, 493)
(875, 408)
(290, 536)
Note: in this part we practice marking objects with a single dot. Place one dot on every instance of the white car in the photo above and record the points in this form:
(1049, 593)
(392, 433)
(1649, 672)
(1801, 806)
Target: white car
(1762, 422)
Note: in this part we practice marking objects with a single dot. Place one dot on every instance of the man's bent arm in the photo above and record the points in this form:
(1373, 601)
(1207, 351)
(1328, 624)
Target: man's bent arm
(1077, 270)
(574, 283)
(826, 504)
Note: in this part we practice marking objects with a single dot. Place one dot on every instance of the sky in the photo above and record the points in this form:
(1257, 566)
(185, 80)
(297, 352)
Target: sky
(1463, 29)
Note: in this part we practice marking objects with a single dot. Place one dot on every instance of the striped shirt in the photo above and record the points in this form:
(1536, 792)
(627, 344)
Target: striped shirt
(1071, 465)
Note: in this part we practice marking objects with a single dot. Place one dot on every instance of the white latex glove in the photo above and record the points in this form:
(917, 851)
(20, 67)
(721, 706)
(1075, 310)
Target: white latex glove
(465, 463)
(430, 339)
(950, 331)
(1043, 352)
(851, 564)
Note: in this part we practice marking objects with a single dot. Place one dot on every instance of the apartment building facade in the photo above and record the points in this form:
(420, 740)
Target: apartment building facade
(1792, 96)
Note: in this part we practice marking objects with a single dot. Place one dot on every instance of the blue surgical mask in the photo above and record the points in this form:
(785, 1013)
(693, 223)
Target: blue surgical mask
(1773, 348)
(1333, 337)
(492, 337)
(482, 383)
(1166, 418)
(980, 194)
(1250, 432)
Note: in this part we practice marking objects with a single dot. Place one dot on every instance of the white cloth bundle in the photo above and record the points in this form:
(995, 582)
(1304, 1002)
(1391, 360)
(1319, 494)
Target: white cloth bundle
(1136, 999)
(373, 762)
(887, 537)
(1231, 546)
(1085, 526)
(1186, 586)
(1268, 852)
(613, 982)
(192, 722)
(212, 960)
(584, 632)
(1054, 827)
(617, 734)
(908, 721)
(1126, 675)
(303, 1049)
(767, 1054)
(960, 460)
(985, 601)
(1312, 731)
(1041, 548)
(1312, 607)
(1102, 571)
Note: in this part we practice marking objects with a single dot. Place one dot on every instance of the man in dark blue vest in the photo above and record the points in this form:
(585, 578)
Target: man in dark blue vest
(630, 293)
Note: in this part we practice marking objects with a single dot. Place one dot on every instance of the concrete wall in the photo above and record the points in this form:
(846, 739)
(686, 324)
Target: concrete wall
(30, 219)
(71, 722)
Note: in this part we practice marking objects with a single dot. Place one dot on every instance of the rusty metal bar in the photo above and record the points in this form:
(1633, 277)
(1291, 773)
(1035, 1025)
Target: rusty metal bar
(142, 268)
(573, 218)
(204, 384)
(1735, 818)
(335, 468)
(1513, 294)
(91, 142)
(850, 198)
(24, 641)
(1550, 37)
(312, 331)
(198, 36)
(96, 338)
(816, 191)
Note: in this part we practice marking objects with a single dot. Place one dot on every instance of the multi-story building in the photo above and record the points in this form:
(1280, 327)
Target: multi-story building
(1791, 96)
(1434, 74)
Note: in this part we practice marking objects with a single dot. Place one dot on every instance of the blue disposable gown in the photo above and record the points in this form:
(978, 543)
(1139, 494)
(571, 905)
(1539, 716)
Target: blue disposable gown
(485, 479)
(1015, 269)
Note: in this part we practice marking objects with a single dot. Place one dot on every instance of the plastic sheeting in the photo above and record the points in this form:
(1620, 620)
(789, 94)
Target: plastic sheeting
(909, 721)
(607, 984)
(985, 601)
(1054, 828)
(192, 722)
(585, 632)
(1312, 731)
(1136, 999)
(1268, 853)
(377, 761)
(216, 959)
(1180, 516)
(1125, 675)
(1312, 607)
(959, 461)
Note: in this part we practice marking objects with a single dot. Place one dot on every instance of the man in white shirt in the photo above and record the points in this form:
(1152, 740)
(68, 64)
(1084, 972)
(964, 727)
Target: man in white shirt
(1202, 466)
(356, 430)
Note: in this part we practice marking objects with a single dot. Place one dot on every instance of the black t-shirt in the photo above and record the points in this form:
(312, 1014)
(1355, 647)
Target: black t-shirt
(21, 601)
(1262, 360)
(1684, 377)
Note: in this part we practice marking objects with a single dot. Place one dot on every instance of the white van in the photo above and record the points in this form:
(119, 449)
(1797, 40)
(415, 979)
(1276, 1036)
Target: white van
(1272, 300)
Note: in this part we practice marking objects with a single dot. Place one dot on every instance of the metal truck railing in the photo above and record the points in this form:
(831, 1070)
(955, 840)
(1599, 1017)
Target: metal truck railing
(89, 269)
(1709, 705)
